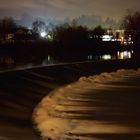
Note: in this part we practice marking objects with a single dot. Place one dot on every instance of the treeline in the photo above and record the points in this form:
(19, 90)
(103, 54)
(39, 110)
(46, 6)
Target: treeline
(62, 41)
(131, 24)
(67, 35)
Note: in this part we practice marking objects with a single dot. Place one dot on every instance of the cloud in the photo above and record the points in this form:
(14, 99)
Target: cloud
(61, 9)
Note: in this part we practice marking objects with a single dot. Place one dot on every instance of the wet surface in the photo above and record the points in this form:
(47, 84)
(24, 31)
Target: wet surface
(21, 91)
(107, 108)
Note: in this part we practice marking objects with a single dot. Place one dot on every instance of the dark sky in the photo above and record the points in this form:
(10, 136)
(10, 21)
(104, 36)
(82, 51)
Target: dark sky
(66, 8)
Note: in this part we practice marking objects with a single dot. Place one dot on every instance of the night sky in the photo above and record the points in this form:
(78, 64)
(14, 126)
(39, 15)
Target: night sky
(60, 9)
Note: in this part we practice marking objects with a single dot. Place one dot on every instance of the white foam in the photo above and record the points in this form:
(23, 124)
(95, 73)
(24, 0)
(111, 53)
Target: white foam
(47, 115)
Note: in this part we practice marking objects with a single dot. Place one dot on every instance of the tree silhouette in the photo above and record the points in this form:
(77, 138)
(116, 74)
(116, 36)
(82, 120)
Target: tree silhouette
(39, 26)
(70, 36)
(131, 23)
(7, 25)
(98, 31)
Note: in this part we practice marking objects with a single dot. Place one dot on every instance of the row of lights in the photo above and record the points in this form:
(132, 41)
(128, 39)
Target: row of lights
(120, 55)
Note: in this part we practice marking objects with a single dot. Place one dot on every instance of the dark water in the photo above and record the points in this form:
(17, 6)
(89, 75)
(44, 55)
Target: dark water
(8, 62)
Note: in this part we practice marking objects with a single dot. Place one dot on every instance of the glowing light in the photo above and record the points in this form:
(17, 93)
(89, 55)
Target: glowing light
(118, 53)
(49, 37)
(90, 57)
(125, 55)
(122, 40)
(90, 36)
(43, 34)
(106, 57)
(49, 57)
(106, 38)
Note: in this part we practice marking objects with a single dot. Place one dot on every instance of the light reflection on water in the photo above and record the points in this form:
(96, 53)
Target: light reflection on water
(118, 55)
(7, 61)
(49, 60)
(125, 55)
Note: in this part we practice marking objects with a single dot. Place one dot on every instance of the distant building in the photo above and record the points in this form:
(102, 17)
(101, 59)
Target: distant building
(117, 35)
(21, 35)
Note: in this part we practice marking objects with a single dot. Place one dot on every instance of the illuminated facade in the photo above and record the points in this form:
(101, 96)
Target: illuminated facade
(118, 35)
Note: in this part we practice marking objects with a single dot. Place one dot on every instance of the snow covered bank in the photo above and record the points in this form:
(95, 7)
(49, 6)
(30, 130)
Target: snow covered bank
(94, 107)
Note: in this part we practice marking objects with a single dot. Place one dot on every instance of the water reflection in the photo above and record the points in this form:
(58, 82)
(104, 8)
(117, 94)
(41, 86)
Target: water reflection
(7, 60)
(118, 55)
(16, 62)
(106, 57)
(125, 55)
(49, 60)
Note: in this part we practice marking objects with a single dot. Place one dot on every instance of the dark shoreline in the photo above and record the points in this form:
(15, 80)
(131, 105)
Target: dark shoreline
(37, 53)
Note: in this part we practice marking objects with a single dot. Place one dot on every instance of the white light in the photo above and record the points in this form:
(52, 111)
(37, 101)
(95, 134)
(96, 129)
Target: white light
(43, 34)
(49, 57)
(49, 36)
(106, 38)
(90, 57)
(106, 57)
(129, 55)
(113, 39)
(125, 55)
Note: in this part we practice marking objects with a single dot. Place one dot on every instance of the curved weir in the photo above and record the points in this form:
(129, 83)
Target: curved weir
(104, 106)
(22, 90)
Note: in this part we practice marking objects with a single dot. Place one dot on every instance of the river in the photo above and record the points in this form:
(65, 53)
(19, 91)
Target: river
(14, 62)
(22, 90)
